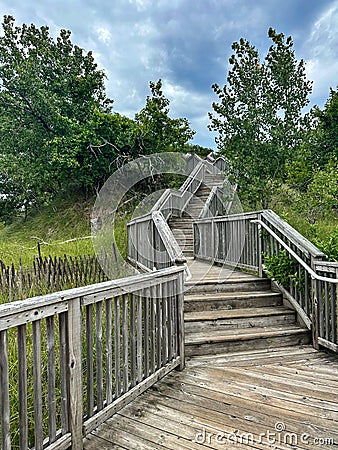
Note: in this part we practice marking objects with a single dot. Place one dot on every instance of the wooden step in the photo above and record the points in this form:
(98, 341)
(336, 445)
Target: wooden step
(220, 341)
(240, 284)
(183, 228)
(231, 300)
(184, 239)
(238, 318)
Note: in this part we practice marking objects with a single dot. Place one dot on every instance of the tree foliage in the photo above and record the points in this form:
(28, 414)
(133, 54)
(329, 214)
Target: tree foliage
(259, 117)
(57, 127)
(158, 132)
(327, 130)
(49, 91)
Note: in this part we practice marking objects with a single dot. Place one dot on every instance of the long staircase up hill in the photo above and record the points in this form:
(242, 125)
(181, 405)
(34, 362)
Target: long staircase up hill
(182, 227)
(230, 312)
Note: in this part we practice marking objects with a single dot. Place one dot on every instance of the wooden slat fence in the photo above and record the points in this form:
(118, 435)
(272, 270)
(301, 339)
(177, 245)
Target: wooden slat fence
(70, 360)
(262, 242)
(50, 274)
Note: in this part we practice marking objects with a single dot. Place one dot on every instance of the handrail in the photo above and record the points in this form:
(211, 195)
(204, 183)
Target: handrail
(159, 204)
(205, 208)
(306, 282)
(313, 274)
(169, 203)
(78, 398)
(293, 235)
(191, 177)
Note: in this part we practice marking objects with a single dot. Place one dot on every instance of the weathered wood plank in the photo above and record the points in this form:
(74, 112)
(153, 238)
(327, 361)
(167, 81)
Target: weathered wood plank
(89, 360)
(51, 379)
(117, 346)
(63, 332)
(124, 399)
(22, 369)
(232, 397)
(139, 338)
(133, 362)
(146, 343)
(109, 351)
(75, 373)
(4, 393)
(125, 342)
(37, 374)
(99, 355)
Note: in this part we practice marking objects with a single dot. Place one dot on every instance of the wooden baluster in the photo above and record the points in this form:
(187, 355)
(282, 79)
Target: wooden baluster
(89, 360)
(99, 356)
(180, 318)
(109, 352)
(315, 309)
(51, 379)
(22, 387)
(117, 345)
(159, 336)
(75, 373)
(164, 323)
(139, 335)
(133, 374)
(63, 331)
(125, 345)
(4, 392)
(152, 300)
(146, 301)
(38, 423)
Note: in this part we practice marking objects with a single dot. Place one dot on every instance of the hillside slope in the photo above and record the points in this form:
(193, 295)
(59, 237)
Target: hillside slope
(61, 228)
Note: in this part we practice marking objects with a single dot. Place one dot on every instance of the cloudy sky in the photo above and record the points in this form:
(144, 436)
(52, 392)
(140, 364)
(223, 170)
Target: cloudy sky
(187, 43)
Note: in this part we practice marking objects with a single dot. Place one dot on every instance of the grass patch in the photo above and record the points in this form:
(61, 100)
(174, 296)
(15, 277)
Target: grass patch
(62, 228)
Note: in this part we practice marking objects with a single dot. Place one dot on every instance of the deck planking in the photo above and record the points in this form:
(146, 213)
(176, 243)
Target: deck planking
(234, 400)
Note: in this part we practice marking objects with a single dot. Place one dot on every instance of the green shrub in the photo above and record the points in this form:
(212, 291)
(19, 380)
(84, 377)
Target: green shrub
(282, 269)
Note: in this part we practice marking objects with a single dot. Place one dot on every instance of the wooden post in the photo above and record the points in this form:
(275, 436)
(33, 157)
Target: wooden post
(315, 309)
(260, 249)
(213, 246)
(4, 393)
(180, 319)
(75, 373)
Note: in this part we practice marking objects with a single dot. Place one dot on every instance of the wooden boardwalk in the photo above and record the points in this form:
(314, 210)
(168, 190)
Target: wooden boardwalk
(278, 398)
(266, 399)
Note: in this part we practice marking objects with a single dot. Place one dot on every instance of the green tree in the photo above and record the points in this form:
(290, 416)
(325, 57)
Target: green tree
(327, 130)
(259, 117)
(157, 131)
(50, 90)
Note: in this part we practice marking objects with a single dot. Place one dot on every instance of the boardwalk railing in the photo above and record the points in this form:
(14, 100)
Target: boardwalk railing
(151, 243)
(70, 360)
(219, 202)
(262, 242)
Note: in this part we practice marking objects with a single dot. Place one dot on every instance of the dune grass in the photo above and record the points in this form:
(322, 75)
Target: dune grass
(61, 228)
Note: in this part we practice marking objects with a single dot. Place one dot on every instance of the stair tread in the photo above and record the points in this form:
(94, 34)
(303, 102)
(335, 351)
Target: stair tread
(242, 334)
(205, 296)
(236, 313)
(241, 279)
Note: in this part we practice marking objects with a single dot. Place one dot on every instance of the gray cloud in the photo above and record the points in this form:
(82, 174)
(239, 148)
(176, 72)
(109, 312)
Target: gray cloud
(187, 43)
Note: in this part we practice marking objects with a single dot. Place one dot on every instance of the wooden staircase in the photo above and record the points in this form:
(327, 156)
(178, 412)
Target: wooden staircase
(182, 227)
(238, 314)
